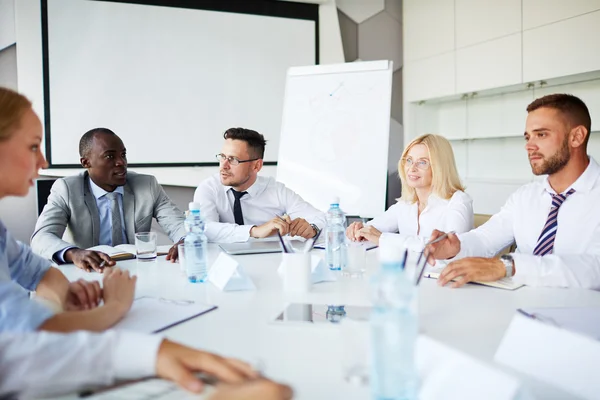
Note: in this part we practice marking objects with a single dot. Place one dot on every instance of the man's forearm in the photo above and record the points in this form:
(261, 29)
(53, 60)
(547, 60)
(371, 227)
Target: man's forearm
(96, 320)
(54, 287)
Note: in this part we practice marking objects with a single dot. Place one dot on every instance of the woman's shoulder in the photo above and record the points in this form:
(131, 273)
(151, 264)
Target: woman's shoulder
(461, 197)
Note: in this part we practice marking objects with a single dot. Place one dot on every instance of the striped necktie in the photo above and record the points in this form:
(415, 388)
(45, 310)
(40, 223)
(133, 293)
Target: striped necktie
(545, 242)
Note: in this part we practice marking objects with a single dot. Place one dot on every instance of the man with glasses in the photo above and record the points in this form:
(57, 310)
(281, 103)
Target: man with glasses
(238, 204)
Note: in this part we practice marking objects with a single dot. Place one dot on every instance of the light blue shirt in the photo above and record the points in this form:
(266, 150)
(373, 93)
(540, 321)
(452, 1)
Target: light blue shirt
(20, 271)
(105, 213)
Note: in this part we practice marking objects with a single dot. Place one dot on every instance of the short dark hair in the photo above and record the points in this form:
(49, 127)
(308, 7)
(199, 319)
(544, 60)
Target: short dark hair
(85, 143)
(256, 142)
(571, 107)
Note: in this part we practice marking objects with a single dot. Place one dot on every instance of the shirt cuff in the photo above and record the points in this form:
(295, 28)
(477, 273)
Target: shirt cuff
(135, 355)
(527, 267)
(59, 256)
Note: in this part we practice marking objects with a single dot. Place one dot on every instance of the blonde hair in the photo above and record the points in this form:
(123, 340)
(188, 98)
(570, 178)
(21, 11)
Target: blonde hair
(445, 181)
(12, 107)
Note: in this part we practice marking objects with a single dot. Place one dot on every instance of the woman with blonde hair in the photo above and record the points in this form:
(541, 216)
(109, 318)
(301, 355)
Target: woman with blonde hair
(432, 198)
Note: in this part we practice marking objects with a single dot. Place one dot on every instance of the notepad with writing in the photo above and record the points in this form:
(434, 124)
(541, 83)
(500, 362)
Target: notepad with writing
(126, 251)
(155, 314)
(504, 283)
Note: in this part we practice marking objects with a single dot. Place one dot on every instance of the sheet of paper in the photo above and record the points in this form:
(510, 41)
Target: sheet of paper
(582, 320)
(505, 283)
(153, 314)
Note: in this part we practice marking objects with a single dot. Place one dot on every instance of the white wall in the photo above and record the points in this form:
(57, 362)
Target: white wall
(470, 78)
(7, 23)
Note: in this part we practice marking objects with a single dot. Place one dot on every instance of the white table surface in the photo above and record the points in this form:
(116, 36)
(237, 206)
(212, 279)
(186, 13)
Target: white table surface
(472, 319)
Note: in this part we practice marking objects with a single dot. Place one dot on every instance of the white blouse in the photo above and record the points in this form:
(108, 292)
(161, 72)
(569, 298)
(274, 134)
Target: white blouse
(402, 223)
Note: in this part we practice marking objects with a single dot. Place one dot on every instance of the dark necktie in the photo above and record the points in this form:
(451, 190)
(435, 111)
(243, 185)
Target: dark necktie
(116, 228)
(545, 243)
(237, 207)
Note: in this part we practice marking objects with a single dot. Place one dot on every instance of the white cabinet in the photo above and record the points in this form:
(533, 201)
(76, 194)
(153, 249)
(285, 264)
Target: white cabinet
(543, 12)
(429, 78)
(488, 65)
(563, 48)
(478, 21)
(498, 116)
(428, 28)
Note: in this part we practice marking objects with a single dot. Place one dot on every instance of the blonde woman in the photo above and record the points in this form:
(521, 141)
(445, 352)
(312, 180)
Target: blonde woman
(432, 198)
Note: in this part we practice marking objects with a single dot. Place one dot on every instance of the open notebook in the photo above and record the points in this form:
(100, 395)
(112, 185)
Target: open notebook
(505, 283)
(127, 251)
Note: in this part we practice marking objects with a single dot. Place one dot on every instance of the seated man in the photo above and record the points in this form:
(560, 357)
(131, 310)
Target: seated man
(238, 204)
(104, 205)
(555, 221)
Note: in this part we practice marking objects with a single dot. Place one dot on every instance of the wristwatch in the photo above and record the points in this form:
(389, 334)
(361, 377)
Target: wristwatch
(509, 264)
(316, 228)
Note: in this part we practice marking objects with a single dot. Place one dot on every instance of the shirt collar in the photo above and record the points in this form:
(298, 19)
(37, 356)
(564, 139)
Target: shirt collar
(583, 184)
(257, 187)
(99, 192)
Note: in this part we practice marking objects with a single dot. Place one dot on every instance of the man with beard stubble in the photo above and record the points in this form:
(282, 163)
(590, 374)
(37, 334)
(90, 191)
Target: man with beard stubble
(555, 222)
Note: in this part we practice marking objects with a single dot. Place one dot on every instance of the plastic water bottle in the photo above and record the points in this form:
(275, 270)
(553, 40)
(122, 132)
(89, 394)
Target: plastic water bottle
(335, 231)
(394, 329)
(195, 243)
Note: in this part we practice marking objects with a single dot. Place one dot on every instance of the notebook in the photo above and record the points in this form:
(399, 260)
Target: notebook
(257, 247)
(155, 314)
(504, 283)
(126, 251)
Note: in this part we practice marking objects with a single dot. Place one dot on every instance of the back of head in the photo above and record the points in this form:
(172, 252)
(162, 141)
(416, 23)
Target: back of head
(12, 107)
(572, 108)
(445, 180)
(86, 141)
(255, 141)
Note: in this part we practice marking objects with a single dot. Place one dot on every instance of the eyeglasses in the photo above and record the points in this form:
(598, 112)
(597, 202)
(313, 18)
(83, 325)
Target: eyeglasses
(421, 164)
(232, 160)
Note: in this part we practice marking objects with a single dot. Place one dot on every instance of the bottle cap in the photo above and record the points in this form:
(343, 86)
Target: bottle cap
(194, 206)
(335, 200)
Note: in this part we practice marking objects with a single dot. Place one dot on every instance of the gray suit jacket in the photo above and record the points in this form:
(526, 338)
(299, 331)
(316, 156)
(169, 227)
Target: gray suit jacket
(71, 215)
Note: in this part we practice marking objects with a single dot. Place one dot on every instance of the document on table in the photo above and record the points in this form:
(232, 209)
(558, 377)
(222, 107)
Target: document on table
(504, 283)
(582, 320)
(155, 314)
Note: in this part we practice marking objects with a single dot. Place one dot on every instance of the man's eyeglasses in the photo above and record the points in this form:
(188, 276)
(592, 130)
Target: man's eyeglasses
(421, 164)
(232, 160)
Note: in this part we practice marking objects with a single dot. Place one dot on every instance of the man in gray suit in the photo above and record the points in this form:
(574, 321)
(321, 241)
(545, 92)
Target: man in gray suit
(105, 205)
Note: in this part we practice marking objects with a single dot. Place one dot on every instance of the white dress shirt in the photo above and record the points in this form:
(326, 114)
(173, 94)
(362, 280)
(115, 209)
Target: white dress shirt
(403, 224)
(46, 363)
(575, 261)
(265, 200)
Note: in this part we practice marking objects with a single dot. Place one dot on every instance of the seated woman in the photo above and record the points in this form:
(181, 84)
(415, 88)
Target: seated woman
(432, 198)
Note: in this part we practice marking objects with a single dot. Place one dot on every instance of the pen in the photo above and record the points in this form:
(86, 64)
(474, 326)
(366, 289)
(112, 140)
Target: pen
(285, 250)
(420, 275)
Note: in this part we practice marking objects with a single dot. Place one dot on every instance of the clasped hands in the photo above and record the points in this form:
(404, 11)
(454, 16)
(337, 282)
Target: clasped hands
(285, 225)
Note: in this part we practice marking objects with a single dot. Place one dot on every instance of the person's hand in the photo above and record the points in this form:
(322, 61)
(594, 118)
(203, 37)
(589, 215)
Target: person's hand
(369, 233)
(444, 249)
(260, 389)
(88, 260)
(301, 227)
(179, 363)
(352, 231)
(118, 289)
(472, 269)
(83, 295)
(269, 228)
(173, 254)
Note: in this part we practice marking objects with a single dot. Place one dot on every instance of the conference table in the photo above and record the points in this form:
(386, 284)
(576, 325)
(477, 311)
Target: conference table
(471, 320)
